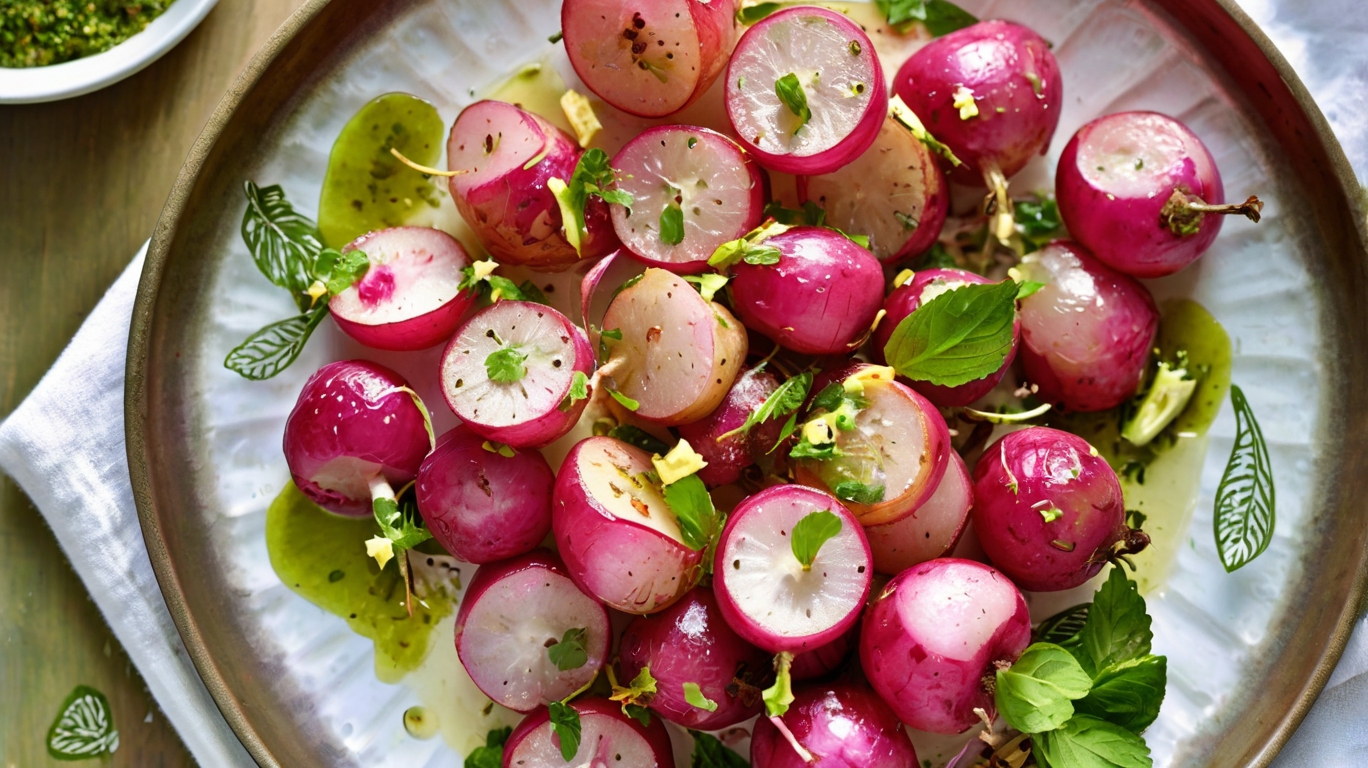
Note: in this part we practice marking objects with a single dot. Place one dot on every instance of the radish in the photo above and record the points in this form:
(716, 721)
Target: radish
(891, 445)
(652, 58)
(728, 454)
(1087, 333)
(516, 373)
(608, 739)
(677, 354)
(805, 92)
(619, 539)
(482, 505)
(693, 189)
(355, 423)
(513, 612)
(504, 157)
(825, 659)
(843, 725)
(1049, 510)
(689, 644)
(819, 298)
(410, 297)
(932, 530)
(1142, 193)
(991, 92)
(895, 194)
(904, 300)
(935, 636)
(769, 595)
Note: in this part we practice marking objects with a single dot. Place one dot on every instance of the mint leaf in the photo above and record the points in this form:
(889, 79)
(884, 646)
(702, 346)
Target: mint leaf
(860, 493)
(400, 522)
(791, 93)
(272, 349)
(938, 16)
(753, 13)
(963, 335)
(491, 754)
(624, 400)
(814, 530)
(1117, 628)
(672, 225)
(505, 365)
(284, 243)
(84, 727)
(1086, 742)
(565, 723)
(1028, 288)
(1128, 694)
(569, 653)
(708, 284)
(810, 214)
(1063, 627)
(788, 398)
(710, 753)
(579, 390)
(688, 499)
(693, 694)
(339, 271)
(1245, 499)
(638, 713)
(640, 438)
(830, 398)
(1036, 694)
(593, 176)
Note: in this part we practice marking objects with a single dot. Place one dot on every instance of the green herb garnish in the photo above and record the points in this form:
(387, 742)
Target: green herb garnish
(672, 225)
(505, 365)
(688, 499)
(565, 722)
(491, 754)
(593, 176)
(791, 93)
(693, 694)
(787, 399)
(814, 530)
(938, 16)
(569, 653)
(708, 752)
(960, 336)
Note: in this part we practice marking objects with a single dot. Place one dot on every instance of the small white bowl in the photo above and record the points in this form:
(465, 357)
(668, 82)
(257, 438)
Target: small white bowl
(62, 81)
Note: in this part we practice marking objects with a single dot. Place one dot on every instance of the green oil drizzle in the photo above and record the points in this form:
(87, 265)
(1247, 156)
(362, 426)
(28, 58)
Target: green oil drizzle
(367, 188)
(322, 557)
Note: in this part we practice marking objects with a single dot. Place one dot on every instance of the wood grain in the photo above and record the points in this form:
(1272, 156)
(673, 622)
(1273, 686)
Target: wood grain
(81, 185)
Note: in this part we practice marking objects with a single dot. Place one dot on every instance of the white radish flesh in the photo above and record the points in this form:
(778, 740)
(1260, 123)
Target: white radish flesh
(931, 530)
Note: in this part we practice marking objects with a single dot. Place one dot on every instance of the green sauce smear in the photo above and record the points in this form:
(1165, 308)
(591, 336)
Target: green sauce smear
(367, 188)
(36, 33)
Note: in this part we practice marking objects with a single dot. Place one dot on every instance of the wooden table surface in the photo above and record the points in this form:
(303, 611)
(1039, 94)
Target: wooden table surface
(82, 182)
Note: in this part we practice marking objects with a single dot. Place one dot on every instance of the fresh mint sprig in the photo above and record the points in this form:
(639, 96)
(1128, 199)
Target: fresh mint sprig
(938, 16)
(960, 336)
(593, 176)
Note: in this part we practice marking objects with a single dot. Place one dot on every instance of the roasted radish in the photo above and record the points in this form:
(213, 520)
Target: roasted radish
(842, 725)
(607, 739)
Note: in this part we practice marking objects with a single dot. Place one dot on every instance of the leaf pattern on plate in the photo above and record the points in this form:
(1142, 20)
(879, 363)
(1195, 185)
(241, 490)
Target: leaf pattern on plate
(1245, 513)
(284, 243)
(84, 728)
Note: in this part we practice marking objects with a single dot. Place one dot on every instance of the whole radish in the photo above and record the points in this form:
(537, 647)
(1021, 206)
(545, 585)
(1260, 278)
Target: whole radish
(991, 92)
(505, 157)
(410, 296)
(779, 583)
(482, 505)
(510, 373)
(620, 541)
(904, 300)
(805, 92)
(1142, 193)
(935, 635)
(608, 739)
(842, 725)
(823, 660)
(513, 615)
(714, 438)
(649, 59)
(895, 194)
(932, 530)
(689, 643)
(692, 190)
(819, 298)
(671, 353)
(357, 426)
(1048, 509)
(1086, 335)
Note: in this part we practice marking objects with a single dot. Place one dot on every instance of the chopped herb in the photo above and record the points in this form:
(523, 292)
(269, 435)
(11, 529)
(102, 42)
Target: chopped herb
(753, 13)
(909, 120)
(579, 390)
(505, 365)
(693, 694)
(814, 530)
(707, 284)
(787, 399)
(672, 225)
(565, 722)
(711, 753)
(569, 652)
(593, 176)
(638, 437)
(860, 493)
(779, 696)
(791, 93)
(491, 754)
(556, 38)
(624, 400)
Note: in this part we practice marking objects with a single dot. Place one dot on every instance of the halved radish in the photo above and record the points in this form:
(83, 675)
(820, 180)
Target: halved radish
(765, 592)
(894, 193)
(693, 189)
(409, 298)
(650, 58)
(678, 354)
(891, 461)
(931, 530)
(506, 156)
(819, 60)
(512, 612)
(608, 739)
(619, 539)
(508, 372)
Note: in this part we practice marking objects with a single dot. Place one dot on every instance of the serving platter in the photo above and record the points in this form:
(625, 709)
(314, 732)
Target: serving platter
(1247, 652)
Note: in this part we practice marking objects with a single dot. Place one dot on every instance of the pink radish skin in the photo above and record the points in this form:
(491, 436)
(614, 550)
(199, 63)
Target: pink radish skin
(934, 635)
(895, 194)
(1087, 334)
(480, 505)
(409, 298)
(841, 78)
(689, 642)
(508, 204)
(719, 190)
(1016, 86)
(932, 530)
(1048, 509)
(678, 355)
(354, 420)
(649, 59)
(904, 300)
(526, 413)
(729, 457)
(608, 739)
(1116, 176)
(822, 661)
(619, 539)
(512, 611)
(843, 725)
(762, 589)
(819, 299)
